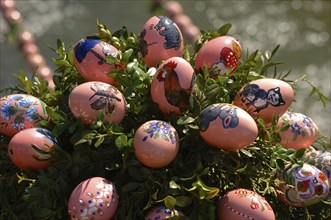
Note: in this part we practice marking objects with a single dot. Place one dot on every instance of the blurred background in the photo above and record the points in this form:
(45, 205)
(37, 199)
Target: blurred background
(302, 28)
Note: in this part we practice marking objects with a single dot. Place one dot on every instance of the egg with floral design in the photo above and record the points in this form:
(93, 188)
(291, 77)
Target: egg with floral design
(244, 204)
(95, 198)
(161, 212)
(220, 55)
(160, 39)
(301, 132)
(310, 185)
(32, 148)
(88, 100)
(263, 98)
(172, 85)
(89, 59)
(156, 143)
(227, 127)
(19, 112)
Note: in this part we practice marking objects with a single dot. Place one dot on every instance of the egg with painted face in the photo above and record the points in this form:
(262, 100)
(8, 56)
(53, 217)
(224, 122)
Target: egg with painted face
(160, 39)
(264, 98)
(19, 112)
(220, 55)
(156, 143)
(88, 100)
(310, 185)
(227, 127)
(172, 85)
(32, 148)
(95, 198)
(301, 133)
(161, 212)
(244, 204)
(89, 59)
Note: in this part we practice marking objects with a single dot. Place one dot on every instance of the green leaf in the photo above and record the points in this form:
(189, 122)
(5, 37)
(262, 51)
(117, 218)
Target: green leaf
(170, 202)
(130, 186)
(299, 153)
(224, 29)
(126, 55)
(183, 201)
(185, 120)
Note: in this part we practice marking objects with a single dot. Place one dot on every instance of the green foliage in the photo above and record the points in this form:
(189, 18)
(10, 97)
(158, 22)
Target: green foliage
(194, 181)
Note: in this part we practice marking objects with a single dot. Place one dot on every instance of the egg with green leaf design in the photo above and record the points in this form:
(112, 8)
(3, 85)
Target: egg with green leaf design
(32, 148)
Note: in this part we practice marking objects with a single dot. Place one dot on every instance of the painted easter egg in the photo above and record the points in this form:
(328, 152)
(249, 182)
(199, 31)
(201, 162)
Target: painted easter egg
(95, 198)
(162, 212)
(172, 85)
(221, 56)
(156, 143)
(20, 111)
(244, 204)
(32, 148)
(88, 100)
(310, 185)
(160, 39)
(321, 160)
(301, 133)
(227, 127)
(89, 59)
(264, 98)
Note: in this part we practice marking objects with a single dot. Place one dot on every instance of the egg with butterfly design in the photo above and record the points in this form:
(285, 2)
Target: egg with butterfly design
(88, 100)
(33, 148)
(172, 86)
(89, 59)
(220, 124)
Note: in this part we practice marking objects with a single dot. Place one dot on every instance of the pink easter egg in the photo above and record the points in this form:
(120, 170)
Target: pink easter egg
(264, 98)
(87, 100)
(244, 204)
(221, 56)
(32, 148)
(20, 111)
(156, 143)
(172, 85)
(227, 127)
(95, 198)
(161, 212)
(302, 131)
(89, 59)
(160, 39)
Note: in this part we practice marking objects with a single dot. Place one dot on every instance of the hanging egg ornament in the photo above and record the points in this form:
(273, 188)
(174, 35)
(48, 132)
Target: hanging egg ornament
(244, 204)
(156, 143)
(19, 112)
(89, 59)
(221, 56)
(160, 39)
(88, 100)
(162, 212)
(301, 133)
(172, 85)
(227, 127)
(264, 98)
(95, 198)
(32, 148)
(310, 185)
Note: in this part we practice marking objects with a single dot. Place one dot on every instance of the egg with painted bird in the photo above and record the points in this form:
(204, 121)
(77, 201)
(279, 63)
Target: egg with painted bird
(89, 59)
(156, 143)
(95, 198)
(161, 212)
(32, 148)
(172, 85)
(227, 127)
(160, 39)
(220, 55)
(301, 131)
(310, 185)
(19, 112)
(264, 98)
(244, 204)
(88, 100)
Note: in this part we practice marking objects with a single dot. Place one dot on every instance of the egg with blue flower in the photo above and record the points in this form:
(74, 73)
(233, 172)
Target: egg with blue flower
(156, 143)
(33, 148)
(19, 112)
(161, 212)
